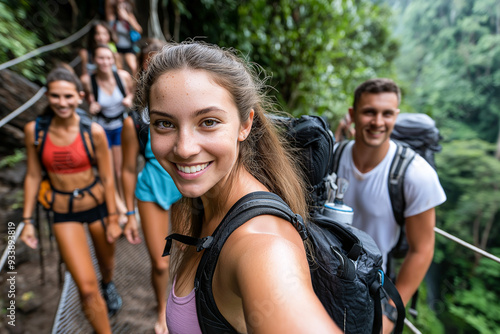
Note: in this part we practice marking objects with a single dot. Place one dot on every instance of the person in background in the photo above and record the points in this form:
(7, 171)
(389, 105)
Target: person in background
(121, 20)
(149, 48)
(99, 34)
(75, 195)
(109, 94)
(155, 192)
(365, 163)
(209, 131)
(345, 129)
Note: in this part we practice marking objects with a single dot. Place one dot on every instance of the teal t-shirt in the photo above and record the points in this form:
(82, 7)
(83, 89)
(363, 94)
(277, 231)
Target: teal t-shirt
(154, 184)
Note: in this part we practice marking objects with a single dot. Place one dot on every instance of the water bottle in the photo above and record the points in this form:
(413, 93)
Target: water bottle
(337, 210)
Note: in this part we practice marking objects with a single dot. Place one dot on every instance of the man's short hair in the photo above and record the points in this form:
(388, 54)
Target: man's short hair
(376, 86)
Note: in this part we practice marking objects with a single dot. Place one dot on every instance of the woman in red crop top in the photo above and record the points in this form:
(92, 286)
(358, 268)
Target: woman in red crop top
(77, 196)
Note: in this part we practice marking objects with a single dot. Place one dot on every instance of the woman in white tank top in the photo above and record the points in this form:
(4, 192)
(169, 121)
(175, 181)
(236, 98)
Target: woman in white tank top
(110, 105)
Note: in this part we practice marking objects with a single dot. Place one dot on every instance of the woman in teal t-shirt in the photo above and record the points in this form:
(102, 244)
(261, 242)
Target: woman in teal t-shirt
(155, 192)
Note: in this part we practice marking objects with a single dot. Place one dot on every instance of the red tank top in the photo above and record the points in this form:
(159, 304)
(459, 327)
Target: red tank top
(68, 159)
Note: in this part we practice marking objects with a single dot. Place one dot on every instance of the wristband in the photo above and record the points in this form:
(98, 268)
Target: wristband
(129, 213)
(389, 311)
(28, 220)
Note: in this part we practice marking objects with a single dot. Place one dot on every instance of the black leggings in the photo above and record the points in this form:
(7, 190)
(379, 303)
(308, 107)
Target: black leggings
(89, 216)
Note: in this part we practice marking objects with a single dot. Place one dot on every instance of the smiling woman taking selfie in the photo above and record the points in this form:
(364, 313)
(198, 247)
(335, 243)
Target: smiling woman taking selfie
(210, 132)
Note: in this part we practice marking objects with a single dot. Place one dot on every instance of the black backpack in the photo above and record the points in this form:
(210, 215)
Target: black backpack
(141, 130)
(312, 137)
(346, 264)
(419, 132)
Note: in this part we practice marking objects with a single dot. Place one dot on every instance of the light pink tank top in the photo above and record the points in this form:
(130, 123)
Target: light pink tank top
(181, 313)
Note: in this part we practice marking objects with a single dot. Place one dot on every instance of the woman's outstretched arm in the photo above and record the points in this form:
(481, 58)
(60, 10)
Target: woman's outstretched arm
(130, 151)
(31, 185)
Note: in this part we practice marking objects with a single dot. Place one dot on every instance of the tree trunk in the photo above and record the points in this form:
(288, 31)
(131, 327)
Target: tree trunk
(475, 235)
(177, 24)
(497, 152)
(154, 21)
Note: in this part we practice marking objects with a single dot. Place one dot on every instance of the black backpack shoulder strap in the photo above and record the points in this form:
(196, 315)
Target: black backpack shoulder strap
(119, 83)
(248, 207)
(42, 124)
(86, 134)
(142, 131)
(337, 155)
(95, 89)
(402, 159)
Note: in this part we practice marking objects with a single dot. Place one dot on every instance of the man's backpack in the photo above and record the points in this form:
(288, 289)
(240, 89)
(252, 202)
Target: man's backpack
(419, 132)
(141, 130)
(345, 264)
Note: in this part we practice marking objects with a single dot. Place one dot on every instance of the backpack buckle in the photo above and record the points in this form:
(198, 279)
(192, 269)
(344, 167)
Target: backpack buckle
(204, 243)
(298, 222)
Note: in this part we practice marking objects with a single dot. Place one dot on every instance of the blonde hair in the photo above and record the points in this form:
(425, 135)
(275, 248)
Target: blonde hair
(262, 154)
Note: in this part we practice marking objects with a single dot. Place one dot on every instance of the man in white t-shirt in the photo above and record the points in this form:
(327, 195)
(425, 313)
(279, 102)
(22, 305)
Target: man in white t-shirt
(365, 163)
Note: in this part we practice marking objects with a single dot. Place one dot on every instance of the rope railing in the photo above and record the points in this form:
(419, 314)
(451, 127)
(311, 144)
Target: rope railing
(33, 99)
(412, 327)
(49, 47)
(36, 52)
(467, 245)
(16, 235)
(24, 107)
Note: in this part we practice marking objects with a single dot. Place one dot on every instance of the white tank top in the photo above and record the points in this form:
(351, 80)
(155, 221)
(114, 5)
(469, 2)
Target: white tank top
(111, 106)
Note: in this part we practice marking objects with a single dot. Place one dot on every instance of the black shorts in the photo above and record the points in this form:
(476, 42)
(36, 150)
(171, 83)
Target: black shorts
(89, 216)
(125, 50)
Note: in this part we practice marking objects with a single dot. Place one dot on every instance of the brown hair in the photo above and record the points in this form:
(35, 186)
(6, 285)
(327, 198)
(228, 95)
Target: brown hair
(376, 86)
(262, 154)
(150, 45)
(91, 43)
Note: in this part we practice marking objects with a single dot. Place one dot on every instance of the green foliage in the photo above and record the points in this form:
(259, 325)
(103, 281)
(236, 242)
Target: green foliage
(316, 51)
(450, 61)
(478, 307)
(12, 160)
(426, 321)
(15, 40)
(471, 178)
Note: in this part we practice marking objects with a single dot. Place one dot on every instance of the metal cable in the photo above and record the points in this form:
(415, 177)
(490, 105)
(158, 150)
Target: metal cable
(32, 101)
(467, 245)
(19, 229)
(23, 108)
(412, 327)
(48, 47)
